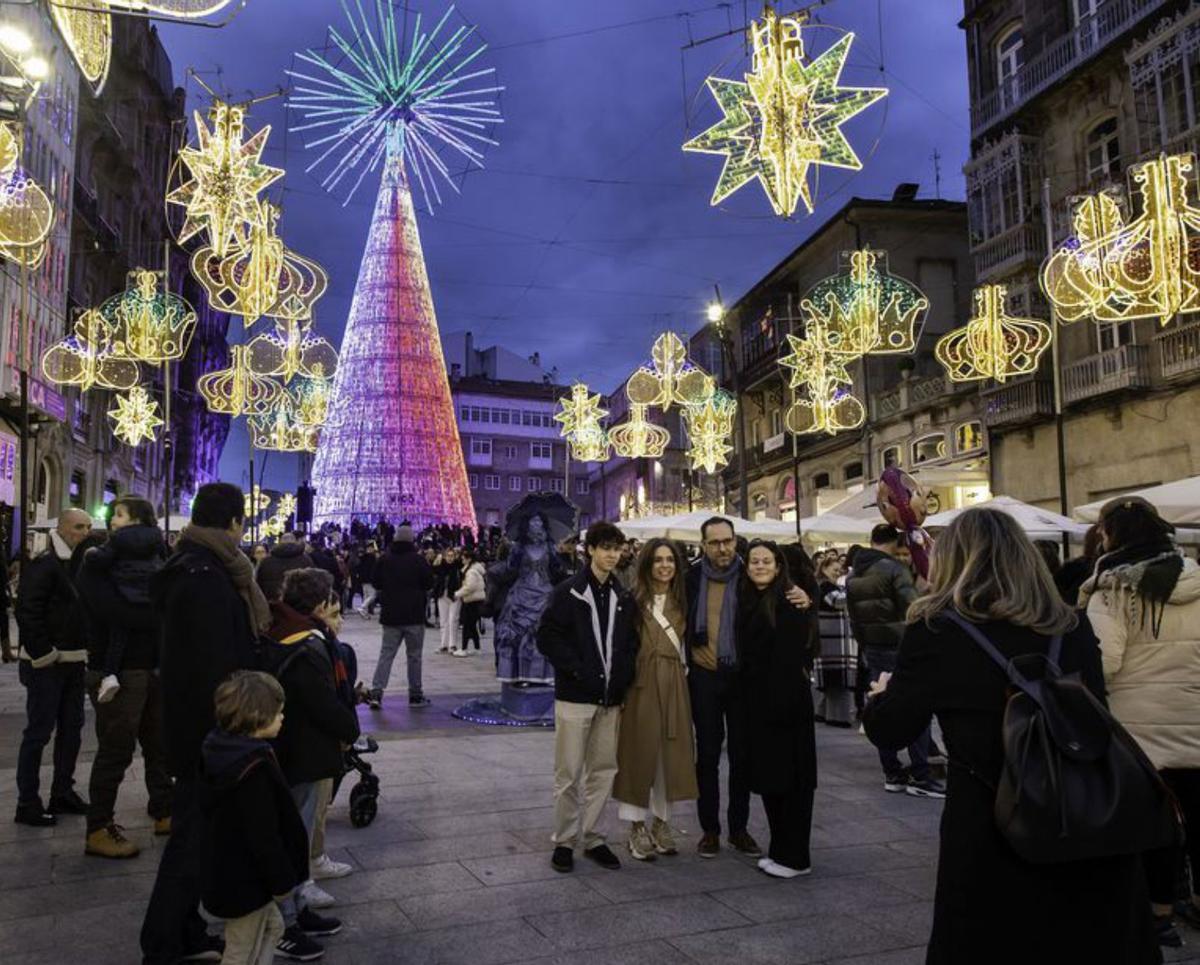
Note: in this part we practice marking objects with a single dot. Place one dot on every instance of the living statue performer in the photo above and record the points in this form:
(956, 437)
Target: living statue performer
(903, 502)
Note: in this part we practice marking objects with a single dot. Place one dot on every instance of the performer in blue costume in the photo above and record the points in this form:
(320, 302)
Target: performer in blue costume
(533, 568)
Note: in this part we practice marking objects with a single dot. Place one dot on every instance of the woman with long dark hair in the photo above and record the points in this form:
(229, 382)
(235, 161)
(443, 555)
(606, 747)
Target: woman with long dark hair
(1144, 601)
(655, 752)
(987, 572)
(773, 641)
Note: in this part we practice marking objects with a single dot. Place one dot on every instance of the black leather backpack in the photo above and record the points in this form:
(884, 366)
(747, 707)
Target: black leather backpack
(1075, 784)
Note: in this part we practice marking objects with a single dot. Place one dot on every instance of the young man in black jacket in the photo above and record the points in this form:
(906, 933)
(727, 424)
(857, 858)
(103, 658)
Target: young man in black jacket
(403, 579)
(286, 555)
(589, 635)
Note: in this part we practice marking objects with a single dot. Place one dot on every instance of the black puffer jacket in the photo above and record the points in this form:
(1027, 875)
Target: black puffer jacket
(878, 594)
(47, 629)
(272, 570)
(403, 578)
(114, 584)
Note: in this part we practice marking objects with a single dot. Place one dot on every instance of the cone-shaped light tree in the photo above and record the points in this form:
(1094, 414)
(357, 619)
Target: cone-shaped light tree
(391, 444)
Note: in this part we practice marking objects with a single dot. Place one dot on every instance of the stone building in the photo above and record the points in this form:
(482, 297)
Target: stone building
(1064, 98)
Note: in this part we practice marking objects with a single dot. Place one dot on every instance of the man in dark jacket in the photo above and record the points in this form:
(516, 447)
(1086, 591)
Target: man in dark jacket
(288, 554)
(878, 594)
(403, 579)
(324, 559)
(589, 634)
(52, 671)
(212, 611)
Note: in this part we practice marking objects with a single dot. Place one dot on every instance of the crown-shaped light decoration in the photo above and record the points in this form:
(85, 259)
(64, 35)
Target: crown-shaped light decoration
(245, 282)
(146, 324)
(638, 437)
(709, 427)
(292, 350)
(829, 406)
(1114, 270)
(255, 502)
(86, 357)
(302, 283)
(86, 27)
(237, 390)
(135, 418)
(280, 431)
(580, 418)
(993, 344)
(26, 213)
(786, 117)
(864, 308)
(671, 377)
(310, 401)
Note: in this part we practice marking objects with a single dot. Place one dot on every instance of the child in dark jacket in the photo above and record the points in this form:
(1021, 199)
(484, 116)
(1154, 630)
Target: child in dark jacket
(257, 848)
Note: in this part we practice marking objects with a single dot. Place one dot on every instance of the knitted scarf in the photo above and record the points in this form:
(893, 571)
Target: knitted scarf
(726, 635)
(239, 568)
(1151, 569)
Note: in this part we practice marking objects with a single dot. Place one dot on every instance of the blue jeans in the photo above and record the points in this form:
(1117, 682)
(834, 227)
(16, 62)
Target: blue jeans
(53, 706)
(305, 796)
(413, 638)
(884, 661)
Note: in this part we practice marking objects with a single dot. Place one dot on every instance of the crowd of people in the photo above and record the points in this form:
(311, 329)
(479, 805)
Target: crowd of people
(225, 667)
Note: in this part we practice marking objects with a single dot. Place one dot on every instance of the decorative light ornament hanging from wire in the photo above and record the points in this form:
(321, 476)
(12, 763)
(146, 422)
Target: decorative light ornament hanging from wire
(182, 9)
(709, 427)
(237, 390)
(829, 405)
(279, 430)
(581, 420)
(246, 281)
(785, 119)
(86, 357)
(26, 212)
(638, 437)
(135, 418)
(671, 379)
(146, 324)
(86, 27)
(291, 350)
(993, 344)
(1113, 270)
(380, 98)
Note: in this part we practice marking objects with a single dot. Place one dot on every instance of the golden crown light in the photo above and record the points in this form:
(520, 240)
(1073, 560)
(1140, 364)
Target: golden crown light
(279, 431)
(637, 437)
(26, 212)
(291, 350)
(146, 324)
(993, 344)
(237, 390)
(580, 417)
(709, 426)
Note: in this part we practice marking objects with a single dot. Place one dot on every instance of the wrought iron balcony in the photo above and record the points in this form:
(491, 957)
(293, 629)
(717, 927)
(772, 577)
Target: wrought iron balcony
(1001, 255)
(1017, 403)
(1064, 55)
(1125, 367)
(1178, 351)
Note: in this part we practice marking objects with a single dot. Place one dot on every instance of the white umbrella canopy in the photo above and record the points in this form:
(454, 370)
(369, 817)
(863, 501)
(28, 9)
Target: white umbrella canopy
(848, 521)
(686, 527)
(1036, 522)
(1177, 502)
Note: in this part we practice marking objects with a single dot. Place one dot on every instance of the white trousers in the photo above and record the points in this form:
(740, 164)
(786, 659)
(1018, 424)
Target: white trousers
(659, 807)
(448, 618)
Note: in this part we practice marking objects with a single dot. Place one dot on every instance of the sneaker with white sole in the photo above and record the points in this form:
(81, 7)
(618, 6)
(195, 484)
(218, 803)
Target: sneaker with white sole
(896, 783)
(325, 867)
(926, 788)
(298, 947)
(315, 896)
(777, 870)
(640, 844)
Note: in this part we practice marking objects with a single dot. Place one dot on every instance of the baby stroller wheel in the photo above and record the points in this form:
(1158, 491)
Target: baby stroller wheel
(364, 804)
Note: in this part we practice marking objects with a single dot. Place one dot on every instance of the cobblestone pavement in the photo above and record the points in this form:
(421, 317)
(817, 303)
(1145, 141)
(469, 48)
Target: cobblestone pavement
(456, 866)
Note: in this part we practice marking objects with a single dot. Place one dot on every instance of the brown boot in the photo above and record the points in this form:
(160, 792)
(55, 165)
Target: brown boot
(110, 843)
(162, 826)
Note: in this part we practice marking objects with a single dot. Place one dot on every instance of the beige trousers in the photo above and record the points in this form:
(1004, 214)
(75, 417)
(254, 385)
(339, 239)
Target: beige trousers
(324, 792)
(585, 765)
(250, 940)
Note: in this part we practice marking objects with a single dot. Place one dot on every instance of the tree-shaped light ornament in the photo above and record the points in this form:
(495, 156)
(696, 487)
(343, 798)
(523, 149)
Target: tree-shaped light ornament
(671, 378)
(786, 117)
(86, 357)
(993, 344)
(864, 309)
(147, 324)
(709, 428)
(638, 437)
(829, 405)
(1114, 270)
(135, 417)
(26, 212)
(225, 174)
(86, 27)
(580, 418)
(237, 390)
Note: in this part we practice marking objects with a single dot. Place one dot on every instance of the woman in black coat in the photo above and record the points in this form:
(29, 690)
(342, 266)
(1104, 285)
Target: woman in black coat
(992, 907)
(773, 639)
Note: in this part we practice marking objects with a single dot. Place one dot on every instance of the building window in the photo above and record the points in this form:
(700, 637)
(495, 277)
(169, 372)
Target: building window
(820, 480)
(1103, 150)
(776, 421)
(541, 450)
(583, 487)
(968, 437)
(491, 483)
(473, 480)
(1008, 64)
(853, 472)
(557, 484)
(510, 452)
(481, 447)
(891, 456)
(533, 484)
(1111, 335)
(928, 448)
(1000, 187)
(527, 418)
(1166, 84)
(77, 490)
(514, 484)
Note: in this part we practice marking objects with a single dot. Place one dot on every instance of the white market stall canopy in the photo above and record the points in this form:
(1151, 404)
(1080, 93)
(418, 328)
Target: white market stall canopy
(849, 521)
(1177, 502)
(1036, 522)
(686, 527)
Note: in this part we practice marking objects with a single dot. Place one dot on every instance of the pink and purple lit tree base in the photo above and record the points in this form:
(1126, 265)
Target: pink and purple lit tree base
(391, 445)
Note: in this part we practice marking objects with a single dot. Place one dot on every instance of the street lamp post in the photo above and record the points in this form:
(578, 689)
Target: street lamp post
(716, 316)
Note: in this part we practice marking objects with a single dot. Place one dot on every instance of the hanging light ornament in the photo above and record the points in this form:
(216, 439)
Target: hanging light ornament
(246, 281)
(580, 418)
(255, 502)
(829, 406)
(148, 325)
(302, 283)
(786, 117)
(993, 345)
(183, 9)
(672, 378)
(237, 390)
(310, 401)
(709, 427)
(280, 431)
(1113, 270)
(86, 27)
(86, 357)
(637, 437)
(864, 309)
(135, 418)
(291, 350)
(26, 213)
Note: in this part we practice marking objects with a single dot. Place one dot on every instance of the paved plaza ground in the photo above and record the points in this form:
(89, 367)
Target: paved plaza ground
(456, 867)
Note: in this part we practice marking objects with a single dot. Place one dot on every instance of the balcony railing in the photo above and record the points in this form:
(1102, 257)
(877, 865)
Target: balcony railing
(1179, 351)
(1017, 403)
(1126, 367)
(1090, 36)
(909, 394)
(1026, 243)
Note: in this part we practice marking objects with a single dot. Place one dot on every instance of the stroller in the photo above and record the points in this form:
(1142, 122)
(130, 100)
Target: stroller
(364, 796)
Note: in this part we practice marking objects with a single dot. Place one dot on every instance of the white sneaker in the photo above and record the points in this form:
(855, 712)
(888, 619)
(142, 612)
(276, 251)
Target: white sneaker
(325, 867)
(461, 653)
(316, 897)
(108, 689)
(776, 870)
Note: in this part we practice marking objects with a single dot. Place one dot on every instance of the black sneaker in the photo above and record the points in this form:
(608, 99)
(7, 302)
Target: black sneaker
(297, 946)
(211, 949)
(318, 926)
(744, 842)
(926, 788)
(1164, 931)
(563, 859)
(603, 857)
(419, 701)
(35, 816)
(69, 803)
(374, 699)
(895, 783)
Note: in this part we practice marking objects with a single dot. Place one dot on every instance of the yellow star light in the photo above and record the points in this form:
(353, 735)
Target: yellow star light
(86, 27)
(829, 406)
(992, 345)
(580, 419)
(1112, 270)
(237, 390)
(639, 438)
(86, 357)
(226, 176)
(135, 418)
(786, 118)
(672, 378)
(148, 325)
(709, 427)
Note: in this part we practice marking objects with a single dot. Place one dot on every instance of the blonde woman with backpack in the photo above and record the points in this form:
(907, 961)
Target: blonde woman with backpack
(991, 906)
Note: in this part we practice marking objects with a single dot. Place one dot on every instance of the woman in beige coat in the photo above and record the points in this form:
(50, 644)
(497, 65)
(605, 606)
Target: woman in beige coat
(1144, 604)
(656, 761)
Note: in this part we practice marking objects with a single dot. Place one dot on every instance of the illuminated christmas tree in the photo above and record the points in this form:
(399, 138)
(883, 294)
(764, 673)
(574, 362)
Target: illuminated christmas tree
(391, 444)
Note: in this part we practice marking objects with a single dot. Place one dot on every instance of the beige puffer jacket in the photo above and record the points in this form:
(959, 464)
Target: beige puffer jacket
(1153, 682)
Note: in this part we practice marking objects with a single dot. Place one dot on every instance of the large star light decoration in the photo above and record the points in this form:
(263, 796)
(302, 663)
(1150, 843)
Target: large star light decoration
(580, 418)
(709, 428)
(136, 417)
(786, 118)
